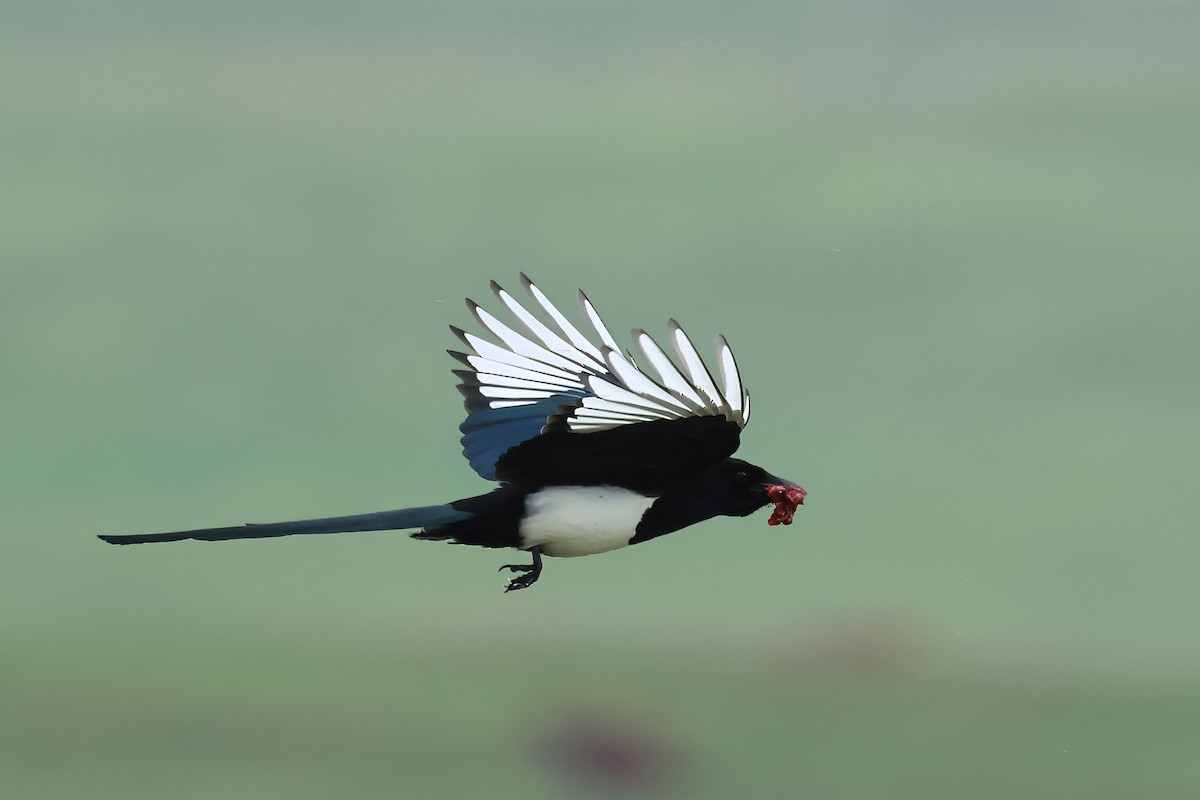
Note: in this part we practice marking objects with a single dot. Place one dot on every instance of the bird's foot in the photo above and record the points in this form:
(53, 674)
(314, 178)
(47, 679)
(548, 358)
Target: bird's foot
(521, 581)
(531, 573)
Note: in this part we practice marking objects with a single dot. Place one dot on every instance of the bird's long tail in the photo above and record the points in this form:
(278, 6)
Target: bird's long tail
(399, 519)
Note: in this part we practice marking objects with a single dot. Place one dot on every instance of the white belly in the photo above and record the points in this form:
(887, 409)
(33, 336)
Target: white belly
(581, 520)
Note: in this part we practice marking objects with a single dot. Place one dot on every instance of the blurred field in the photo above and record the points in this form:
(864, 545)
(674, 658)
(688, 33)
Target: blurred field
(953, 247)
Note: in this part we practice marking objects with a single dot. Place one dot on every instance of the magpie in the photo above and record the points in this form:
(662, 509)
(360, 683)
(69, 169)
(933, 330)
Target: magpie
(592, 451)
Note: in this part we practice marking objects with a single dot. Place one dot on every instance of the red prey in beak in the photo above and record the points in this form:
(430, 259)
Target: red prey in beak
(787, 497)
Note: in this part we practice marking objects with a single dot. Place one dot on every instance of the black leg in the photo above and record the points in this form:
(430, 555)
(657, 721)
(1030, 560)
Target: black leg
(532, 572)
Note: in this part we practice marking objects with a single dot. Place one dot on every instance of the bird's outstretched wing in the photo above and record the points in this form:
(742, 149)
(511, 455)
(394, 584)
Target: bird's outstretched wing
(547, 405)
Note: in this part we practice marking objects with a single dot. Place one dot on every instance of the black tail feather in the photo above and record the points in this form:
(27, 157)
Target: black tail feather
(398, 519)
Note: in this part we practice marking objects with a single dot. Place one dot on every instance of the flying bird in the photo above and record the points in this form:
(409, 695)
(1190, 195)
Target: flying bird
(592, 451)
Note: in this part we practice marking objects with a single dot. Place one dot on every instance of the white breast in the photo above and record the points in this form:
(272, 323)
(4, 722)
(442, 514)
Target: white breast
(581, 520)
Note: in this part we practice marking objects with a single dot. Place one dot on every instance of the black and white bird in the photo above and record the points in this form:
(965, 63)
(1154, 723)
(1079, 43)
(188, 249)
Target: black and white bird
(592, 451)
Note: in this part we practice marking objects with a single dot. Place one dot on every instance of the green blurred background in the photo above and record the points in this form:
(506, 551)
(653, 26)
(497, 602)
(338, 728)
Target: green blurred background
(954, 245)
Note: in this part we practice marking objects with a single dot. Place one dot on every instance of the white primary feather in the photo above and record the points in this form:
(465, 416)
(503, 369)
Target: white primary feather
(540, 363)
(568, 330)
(697, 372)
(522, 345)
(730, 376)
(497, 353)
(668, 373)
(548, 337)
(597, 323)
(637, 382)
(487, 366)
(490, 379)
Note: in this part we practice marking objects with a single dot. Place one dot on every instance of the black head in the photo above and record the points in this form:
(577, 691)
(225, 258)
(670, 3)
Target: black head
(737, 488)
(731, 488)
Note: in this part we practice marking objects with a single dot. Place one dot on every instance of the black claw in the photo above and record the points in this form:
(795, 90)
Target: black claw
(515, 584)
(532, 572)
